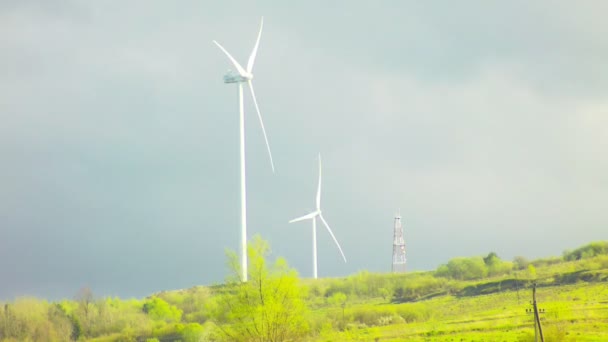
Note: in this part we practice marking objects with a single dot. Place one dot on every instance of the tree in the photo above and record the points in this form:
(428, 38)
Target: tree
(463, 268)
(496, 266)
(60, 321)
(269, 307)
(491, 259)
(159, 310)
(192, 332)
(520, 262)
(84, 297)
(83, 318)
(587, 251)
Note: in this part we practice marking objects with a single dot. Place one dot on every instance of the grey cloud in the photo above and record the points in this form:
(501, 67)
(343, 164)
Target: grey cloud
(484, 123)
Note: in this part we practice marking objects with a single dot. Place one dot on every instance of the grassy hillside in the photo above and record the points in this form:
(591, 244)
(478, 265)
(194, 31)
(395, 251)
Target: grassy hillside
(467, 299)
(577, 312)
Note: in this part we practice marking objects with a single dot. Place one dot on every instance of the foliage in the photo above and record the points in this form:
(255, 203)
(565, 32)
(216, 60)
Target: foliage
(520, 263)
(84, 315)
(191, 332)
(418, 286)
(337, 299)
(531, 271)
(544, 262)
(158, 309)
(31, 319)
(464, 268)
(496, 266)
(587, 251)
(451, 303)
(269, 306)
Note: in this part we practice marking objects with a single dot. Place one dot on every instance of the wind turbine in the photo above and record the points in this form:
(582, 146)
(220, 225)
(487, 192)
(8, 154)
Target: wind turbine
(313, 216)
(245, 76)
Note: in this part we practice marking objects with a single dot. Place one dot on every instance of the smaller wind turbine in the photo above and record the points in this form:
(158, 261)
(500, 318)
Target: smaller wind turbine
(313, 216)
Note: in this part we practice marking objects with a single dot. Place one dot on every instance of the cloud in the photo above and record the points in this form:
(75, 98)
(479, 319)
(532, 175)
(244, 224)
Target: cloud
(485, 124)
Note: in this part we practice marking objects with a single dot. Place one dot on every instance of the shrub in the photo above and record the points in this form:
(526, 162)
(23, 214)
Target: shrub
(160, 310)
(587, 251)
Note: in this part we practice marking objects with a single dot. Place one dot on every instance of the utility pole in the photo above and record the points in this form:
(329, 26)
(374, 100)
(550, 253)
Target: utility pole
(538, 329)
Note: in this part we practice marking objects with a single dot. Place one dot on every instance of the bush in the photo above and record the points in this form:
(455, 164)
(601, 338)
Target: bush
(159, 310)
(417, 287)
(463, 269)
(374, 316)
(413, 312)
(587, 251)
(546, 261)
(520, 263)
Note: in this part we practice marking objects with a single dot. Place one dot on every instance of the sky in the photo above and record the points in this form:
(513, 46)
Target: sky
(485, 123)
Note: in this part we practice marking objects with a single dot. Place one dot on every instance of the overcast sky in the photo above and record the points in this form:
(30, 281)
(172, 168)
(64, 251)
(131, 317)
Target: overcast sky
(484, 122)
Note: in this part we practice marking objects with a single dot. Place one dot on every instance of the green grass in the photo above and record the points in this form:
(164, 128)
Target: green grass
(576, 312)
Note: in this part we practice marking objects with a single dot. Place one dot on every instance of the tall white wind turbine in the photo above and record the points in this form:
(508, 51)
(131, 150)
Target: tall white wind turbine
(313, 216)
(245, 76)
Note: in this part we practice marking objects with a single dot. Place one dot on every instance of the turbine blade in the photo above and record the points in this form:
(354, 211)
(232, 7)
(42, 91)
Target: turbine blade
(332, 235)
(255, 49)
(238, 67)
(305, 217)
(255, 102)
(319, 187)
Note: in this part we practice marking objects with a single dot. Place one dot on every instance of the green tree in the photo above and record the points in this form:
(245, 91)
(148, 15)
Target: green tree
(60, 321)
(491, 259)
(76, 328)
(192, 332)
(587, 251)
(84, 297)
(496, 266)
(159, 310)
(85, 313)
(463, 269)
(269, 307)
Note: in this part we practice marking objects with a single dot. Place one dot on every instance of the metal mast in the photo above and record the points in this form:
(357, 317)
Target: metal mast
(398, 247)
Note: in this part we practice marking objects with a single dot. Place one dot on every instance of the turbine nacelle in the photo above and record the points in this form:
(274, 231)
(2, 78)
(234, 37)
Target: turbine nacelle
(232, 77)
(245, 76)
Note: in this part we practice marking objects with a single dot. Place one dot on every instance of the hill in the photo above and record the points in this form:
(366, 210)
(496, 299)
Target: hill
(479, 298)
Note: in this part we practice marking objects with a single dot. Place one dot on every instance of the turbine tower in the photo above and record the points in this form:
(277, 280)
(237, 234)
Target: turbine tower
(245, 76)
(398, 247)
(313, 216)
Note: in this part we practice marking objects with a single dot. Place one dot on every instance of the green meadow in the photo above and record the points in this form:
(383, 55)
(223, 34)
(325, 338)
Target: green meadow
(577, 312)
(478, 298)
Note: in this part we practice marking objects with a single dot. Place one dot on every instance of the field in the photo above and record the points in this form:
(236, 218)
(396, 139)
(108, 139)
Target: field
(576, 312)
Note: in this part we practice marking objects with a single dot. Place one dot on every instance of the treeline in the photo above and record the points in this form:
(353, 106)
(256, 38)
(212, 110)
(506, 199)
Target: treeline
(86, 318)
(276, 305)
(463, 275)
(587, 251)
(270, 307)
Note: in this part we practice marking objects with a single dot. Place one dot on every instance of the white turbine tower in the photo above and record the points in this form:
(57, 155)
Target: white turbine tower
(313, 216)
(245, 76)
